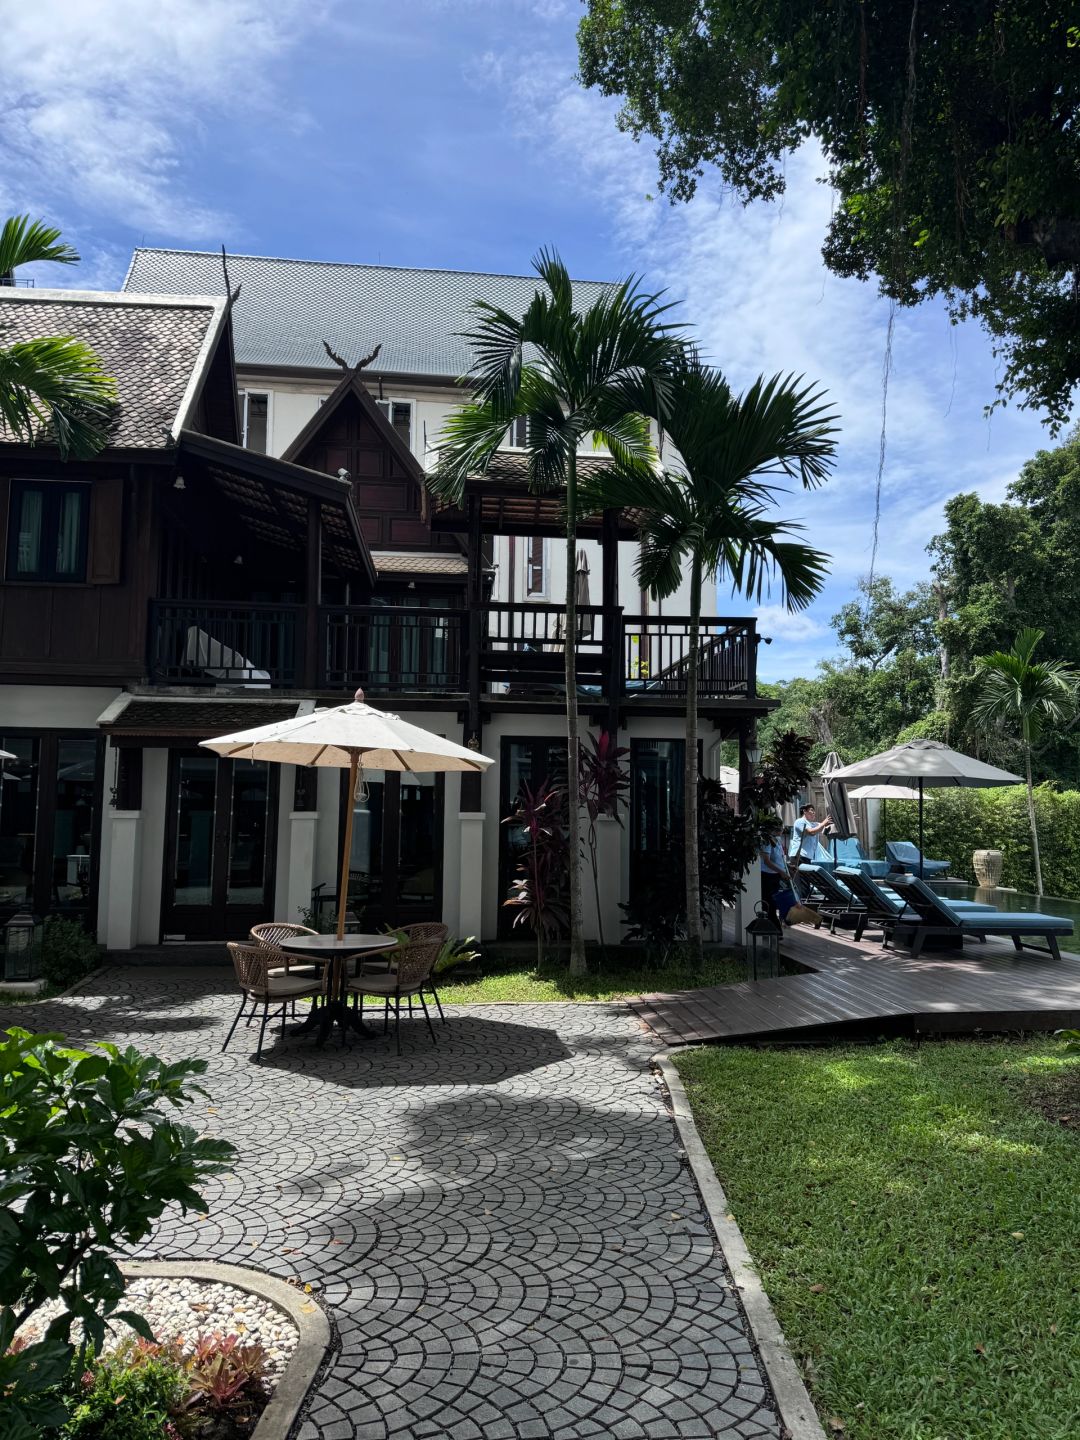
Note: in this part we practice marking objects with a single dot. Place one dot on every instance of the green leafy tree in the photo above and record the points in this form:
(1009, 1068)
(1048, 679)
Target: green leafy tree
(708, 508)
(949, 131)
(571, 374)
(91, 1156)
(50, 388)
(881, 622)
(1022, 696)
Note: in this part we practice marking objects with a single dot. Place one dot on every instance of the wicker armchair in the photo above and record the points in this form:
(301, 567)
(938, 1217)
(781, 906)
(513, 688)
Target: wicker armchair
(254, 965)
(409, 976)
(425, 932)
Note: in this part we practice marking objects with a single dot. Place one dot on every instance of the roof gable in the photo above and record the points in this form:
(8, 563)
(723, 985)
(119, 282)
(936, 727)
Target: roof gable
(160, 349)
(350, 433)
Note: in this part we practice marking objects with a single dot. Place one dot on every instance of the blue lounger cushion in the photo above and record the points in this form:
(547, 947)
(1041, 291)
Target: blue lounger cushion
(887, 898)
(1026, 922)
(849, 852)
(904, 852)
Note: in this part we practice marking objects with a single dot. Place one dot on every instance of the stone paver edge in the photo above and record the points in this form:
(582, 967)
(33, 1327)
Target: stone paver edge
(793, 1401)
(280, 1415)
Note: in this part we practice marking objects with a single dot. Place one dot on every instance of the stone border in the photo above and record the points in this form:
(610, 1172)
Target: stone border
(796, 1410)
(280, 1415)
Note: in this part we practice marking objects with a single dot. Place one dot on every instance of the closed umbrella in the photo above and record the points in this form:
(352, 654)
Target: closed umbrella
(836, 799)
(581, 592)
(924, 763)
(354, 737)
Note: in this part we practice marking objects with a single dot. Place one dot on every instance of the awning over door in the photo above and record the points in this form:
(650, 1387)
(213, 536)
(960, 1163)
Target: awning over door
(149, 720)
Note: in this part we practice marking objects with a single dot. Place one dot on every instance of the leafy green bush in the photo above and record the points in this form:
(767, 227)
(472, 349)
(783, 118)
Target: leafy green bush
(958, 822)
(91, 1157)
(127, 1396)
(68, 952)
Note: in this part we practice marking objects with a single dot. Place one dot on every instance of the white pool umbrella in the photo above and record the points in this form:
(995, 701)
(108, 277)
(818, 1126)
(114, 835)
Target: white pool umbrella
(7, 755)
(353, 737)
(883, 792)
(928, 763)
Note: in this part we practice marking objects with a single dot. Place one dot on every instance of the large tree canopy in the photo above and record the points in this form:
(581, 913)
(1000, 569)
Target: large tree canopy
(951, 132)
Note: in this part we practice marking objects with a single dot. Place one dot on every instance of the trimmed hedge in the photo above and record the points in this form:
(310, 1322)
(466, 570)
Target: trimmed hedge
(960, 821)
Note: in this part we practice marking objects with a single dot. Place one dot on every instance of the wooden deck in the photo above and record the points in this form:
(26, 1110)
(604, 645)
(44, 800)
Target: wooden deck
(861, 988)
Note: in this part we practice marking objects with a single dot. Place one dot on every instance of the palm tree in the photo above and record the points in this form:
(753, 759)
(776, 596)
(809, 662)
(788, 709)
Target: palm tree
(50, 386)
(570, 374)
(709, 507)
(1024, 695)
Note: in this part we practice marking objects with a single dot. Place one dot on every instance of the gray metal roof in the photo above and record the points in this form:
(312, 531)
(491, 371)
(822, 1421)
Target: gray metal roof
(287, 308)
(155, 348)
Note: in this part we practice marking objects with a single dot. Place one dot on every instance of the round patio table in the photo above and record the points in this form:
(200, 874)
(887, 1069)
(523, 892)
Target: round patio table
(328, 949)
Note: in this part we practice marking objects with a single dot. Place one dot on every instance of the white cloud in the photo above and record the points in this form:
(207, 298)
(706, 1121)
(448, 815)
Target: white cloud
(104, 98)
(781, 624)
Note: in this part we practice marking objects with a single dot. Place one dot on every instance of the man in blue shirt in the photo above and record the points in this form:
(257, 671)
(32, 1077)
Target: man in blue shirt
(774, 873)
(805, 846)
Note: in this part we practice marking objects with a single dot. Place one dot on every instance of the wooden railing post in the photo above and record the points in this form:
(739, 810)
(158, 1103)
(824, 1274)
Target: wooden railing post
(615, 666)
(309, 666)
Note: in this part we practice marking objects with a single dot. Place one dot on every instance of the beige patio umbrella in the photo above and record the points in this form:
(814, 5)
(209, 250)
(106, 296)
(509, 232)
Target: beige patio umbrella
(884, 793)
(7, 755)
(353, 737)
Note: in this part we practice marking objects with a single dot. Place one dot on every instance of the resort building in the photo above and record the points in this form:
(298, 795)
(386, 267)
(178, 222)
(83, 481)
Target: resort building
(259, 539)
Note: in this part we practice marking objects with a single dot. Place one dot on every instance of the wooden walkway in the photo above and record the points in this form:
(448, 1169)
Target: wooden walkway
(859, 988)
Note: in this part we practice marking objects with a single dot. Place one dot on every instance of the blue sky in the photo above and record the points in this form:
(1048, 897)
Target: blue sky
(453, 133)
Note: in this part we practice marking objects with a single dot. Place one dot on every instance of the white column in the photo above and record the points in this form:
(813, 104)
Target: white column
(121, 903)
(744, 906)
(471, 874)
(303, 827)
(609, 866)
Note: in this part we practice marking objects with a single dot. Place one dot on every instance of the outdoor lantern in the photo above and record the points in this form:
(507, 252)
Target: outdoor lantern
(763, 944)
(23, 937)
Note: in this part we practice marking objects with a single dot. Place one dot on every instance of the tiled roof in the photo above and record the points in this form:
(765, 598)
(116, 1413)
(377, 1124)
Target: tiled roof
(511, 467)
(155, 349)
(419, 564)
(287, 308)
(196, 717)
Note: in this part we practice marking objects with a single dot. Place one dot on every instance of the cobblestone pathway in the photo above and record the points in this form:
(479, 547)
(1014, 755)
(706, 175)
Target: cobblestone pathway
(501, 1228)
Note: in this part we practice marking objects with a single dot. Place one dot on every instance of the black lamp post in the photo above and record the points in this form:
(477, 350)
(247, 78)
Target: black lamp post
(763, 945)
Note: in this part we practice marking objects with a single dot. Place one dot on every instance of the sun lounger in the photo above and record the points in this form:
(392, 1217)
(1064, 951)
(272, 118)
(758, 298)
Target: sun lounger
(939, 917)
(849, 852)
(883, 907)
(819, 888)
(906, 855)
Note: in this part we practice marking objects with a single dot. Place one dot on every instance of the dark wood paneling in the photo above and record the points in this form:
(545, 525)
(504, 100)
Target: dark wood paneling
(388, 499)
(104, 558)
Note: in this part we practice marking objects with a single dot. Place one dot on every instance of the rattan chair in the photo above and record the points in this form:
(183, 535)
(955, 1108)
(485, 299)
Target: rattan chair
(253, 965)
(409, 975)
(425, 932)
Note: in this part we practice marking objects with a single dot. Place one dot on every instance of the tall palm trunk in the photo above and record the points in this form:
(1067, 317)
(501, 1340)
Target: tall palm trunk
(578, 963)
(1032, 820)
(690, 786)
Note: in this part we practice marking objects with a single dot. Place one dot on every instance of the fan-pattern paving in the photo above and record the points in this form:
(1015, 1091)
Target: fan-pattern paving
(502, 1229)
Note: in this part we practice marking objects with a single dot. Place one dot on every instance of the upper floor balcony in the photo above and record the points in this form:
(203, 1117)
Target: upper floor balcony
(516, 651)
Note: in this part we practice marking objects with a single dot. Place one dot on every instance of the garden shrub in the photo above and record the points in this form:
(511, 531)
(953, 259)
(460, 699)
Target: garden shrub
(958, 822)
(127, 1397)
(68, 952)
(91, 1158)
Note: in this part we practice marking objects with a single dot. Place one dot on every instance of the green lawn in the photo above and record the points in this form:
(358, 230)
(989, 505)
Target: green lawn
(915, 1215)
(514, 977)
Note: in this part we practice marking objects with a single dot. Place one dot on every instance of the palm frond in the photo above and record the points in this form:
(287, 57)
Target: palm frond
(469, 439)
(1019, 692)
(24, 241)
(55, 389)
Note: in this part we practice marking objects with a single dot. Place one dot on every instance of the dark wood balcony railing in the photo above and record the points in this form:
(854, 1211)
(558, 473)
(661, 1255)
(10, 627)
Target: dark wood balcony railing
(210, 644)
(391, 649)
(412, 650)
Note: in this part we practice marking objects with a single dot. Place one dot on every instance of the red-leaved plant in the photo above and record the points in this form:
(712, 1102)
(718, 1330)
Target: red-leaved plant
(539, 892)
(603, 781)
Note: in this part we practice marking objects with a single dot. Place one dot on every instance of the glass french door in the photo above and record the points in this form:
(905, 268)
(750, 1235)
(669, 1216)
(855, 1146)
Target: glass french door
(395, 868)
(220, 846)
(528, 762)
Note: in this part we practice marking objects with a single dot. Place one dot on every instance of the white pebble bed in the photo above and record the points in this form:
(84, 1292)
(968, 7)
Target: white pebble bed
(188, 1309)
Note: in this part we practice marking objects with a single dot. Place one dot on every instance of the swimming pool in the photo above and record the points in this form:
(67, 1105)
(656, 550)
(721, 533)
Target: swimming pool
(1012, 900)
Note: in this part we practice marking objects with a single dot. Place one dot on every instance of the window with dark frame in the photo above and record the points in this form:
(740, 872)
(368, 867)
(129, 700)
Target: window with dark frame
(255, 414)
(49, 522)
(536, 567)
(517, 435)
(399, 413)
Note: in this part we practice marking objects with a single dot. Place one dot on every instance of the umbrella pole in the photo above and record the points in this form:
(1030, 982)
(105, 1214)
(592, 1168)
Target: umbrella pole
(922, 842)
(346, 850)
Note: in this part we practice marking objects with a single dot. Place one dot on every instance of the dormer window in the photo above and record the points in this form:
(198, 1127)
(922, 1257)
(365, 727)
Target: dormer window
(399, 413)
